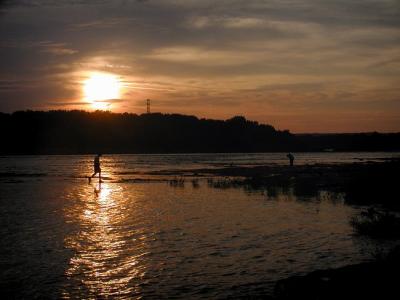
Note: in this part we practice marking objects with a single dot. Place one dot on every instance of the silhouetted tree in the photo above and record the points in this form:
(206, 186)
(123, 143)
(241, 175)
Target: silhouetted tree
(73, 132)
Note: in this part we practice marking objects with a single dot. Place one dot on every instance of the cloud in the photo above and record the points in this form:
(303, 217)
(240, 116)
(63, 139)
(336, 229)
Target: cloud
(110, 101)
(10, 84)
(103, 23)
(69, 103)
(275, 57)
(50, 47)
(73, 102)
(201, 22)
(55, 48)
(199, 56)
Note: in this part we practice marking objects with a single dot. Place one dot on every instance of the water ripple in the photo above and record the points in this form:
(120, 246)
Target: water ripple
(62, 237)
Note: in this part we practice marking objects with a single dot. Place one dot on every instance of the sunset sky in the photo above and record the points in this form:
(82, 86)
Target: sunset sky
(306, 66)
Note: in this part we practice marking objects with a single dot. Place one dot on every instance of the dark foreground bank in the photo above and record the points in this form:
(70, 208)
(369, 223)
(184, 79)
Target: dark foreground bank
(372, 280)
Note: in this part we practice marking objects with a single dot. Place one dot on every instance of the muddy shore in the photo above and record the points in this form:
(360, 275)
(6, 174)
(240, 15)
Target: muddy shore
(363, 183)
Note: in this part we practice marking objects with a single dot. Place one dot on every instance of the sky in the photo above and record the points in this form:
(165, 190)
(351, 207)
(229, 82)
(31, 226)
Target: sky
(306, 65)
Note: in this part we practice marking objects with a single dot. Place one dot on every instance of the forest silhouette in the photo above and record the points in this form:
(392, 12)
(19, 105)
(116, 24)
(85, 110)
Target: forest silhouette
(82, 132)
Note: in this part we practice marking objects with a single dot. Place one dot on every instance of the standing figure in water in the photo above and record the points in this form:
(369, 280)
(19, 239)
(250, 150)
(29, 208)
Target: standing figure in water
(291, 158)
(97, 169)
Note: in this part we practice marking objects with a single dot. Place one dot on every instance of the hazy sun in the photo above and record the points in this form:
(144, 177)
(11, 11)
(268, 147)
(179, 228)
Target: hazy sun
(99, 88)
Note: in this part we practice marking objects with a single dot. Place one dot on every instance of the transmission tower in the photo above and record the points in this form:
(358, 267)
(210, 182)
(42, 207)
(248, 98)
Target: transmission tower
(148, 105)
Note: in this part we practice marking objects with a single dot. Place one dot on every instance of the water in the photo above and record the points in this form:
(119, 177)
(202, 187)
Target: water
(123, 166)
(62, 238)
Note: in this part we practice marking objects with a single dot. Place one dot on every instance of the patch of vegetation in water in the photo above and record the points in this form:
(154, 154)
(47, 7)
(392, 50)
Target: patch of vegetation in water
(376, 224)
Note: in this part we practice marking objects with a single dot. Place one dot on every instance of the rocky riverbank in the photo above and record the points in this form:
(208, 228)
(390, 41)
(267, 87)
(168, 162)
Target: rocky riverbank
(377, 279)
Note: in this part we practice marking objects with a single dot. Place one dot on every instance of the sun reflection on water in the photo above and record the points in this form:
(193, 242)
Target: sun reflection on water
(106, 262)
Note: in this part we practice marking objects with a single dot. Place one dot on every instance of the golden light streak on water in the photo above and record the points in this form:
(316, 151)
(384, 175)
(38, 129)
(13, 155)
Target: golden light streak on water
(104, 261)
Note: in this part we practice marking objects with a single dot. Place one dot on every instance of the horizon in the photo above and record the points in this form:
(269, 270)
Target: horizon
(317, 67)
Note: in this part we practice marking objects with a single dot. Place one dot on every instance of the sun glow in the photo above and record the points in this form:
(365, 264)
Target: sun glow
(99, 88)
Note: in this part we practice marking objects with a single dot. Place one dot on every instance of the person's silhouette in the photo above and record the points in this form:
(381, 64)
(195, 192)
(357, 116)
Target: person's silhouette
(291, 158)
(97, 169)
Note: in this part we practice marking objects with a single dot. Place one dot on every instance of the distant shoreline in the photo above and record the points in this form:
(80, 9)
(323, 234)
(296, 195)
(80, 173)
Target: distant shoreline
(81, 132)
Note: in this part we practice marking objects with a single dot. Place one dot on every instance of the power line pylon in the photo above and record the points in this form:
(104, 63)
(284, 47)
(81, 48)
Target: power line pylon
(148, 105)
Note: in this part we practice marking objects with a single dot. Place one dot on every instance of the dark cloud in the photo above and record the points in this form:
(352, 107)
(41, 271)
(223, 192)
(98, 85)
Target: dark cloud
(69, 103)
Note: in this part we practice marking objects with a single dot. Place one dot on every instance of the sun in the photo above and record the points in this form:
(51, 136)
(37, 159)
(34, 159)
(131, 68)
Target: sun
(99, 88)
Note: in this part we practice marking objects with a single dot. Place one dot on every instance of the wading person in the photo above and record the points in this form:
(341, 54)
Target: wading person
(97, 169)
(291, 158)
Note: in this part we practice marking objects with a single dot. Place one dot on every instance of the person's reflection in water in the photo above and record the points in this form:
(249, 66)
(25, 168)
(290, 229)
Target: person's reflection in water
(97, 169)
(97, 190)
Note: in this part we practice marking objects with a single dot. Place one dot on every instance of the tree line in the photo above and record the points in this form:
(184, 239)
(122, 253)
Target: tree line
(82, 132)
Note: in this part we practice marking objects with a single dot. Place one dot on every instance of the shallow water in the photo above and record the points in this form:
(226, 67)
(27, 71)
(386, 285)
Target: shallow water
(62, 237)
(124, 166)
